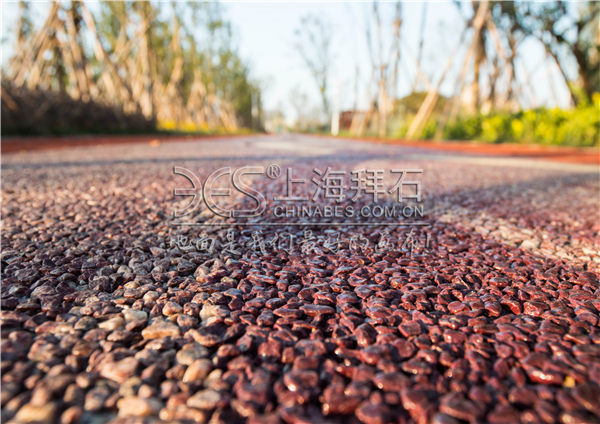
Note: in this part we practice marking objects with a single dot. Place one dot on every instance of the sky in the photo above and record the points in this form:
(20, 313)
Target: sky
(264, 34)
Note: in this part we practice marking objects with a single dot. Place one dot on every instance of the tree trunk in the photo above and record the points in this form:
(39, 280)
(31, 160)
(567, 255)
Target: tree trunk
(393, 86)
(77, 53)
(572, 90)
(415, 85)
(510, 71)
(111, 72)
(430, 100)
(35, 51)
(451, 108)
(146, 99)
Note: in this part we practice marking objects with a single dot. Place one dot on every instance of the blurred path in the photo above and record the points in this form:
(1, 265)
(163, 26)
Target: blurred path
(271, 146)
(590, 156)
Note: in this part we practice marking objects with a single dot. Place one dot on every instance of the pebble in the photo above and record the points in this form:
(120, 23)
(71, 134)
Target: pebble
(119, 371)
(112, 324)
(456, 337)
(71, 415)
(197, 371)
(391, 381)
(171, 308)
(191, 352)
(409, 329)
(588, 394)
(134, 406)
(535, 309)
(132, 315)
(365, 335)
(457, 406)
(300, 379)
(205, 399)
(95, 398)
(317, 310)
(372, 413)
(103, 314)
(335, 401)
(30, 413)
(160, 329)
(211, 311)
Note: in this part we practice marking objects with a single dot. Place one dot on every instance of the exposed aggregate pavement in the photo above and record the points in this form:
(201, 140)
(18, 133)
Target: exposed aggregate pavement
(495, 319)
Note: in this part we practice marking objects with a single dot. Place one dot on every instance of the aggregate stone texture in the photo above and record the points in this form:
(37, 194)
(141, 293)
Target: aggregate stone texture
(492, 316)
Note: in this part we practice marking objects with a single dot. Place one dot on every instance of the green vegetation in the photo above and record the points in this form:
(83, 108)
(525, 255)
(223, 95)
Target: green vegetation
(579, 126)
(488, 88)
(571, 127)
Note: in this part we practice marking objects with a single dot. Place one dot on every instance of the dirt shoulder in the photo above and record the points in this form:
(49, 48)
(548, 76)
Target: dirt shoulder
(583, 155)
(13, 144)
(589, 155)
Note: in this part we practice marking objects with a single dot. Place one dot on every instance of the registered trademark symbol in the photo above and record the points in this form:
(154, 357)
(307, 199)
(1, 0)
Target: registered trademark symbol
(273, 171)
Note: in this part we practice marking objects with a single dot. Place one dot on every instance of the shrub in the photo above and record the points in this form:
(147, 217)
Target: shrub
(570, 127)
(464, 128)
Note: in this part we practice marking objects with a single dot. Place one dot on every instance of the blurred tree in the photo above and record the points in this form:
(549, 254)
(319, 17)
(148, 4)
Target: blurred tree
(24, 25)
(568, 31)
(419, 75)
(504, 18)
(175, 62)
(480, 57)
(313, 43)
